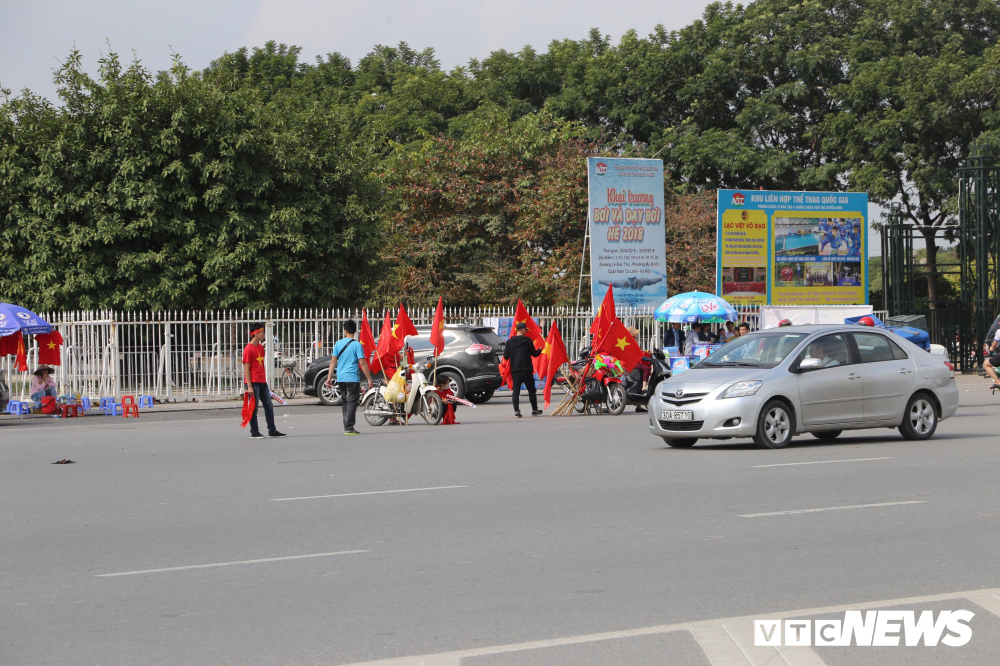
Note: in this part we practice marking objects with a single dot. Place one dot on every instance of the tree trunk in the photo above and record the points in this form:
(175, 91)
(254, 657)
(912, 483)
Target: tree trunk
(932, 289)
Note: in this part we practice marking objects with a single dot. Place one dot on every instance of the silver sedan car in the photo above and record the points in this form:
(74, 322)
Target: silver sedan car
(781, 382)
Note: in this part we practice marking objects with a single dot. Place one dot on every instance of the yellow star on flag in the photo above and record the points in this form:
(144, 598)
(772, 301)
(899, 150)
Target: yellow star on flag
(394, 329)
(52, 345)
(260, 359)
(548, 347)
(622, 343)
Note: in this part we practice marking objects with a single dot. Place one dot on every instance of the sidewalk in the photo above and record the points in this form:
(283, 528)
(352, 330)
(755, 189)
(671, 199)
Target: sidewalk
(198, 405)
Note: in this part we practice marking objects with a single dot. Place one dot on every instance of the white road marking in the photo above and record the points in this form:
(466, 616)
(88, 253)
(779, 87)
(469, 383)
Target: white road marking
(696, 628)
(374, 492)
(831, 508)
(719, 646)
(987, 599)
(821, 462)
(742, 634)
(229, 564)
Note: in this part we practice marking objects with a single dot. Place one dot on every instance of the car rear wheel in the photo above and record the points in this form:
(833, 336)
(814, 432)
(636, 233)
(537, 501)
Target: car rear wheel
(775, 426)
(455, 382)
(479, 397)
(329, 396)
(680, 442)
(920, 418)
(827, 435)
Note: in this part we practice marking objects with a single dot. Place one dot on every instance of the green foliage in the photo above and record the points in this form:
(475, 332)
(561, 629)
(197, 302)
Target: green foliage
(253, 182)
(176, 193)
(491, 217)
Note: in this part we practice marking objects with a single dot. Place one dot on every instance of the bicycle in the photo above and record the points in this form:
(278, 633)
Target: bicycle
(290, 377)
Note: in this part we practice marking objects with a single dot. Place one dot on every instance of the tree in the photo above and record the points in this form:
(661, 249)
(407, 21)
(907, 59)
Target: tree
(175, 192)
(922, 88)
(490, 218)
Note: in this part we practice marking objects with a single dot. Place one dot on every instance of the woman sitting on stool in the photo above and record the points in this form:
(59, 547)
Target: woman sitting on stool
(42, 384)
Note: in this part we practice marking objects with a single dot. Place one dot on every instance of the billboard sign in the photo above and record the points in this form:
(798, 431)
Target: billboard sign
(792, 248)
(626, 230)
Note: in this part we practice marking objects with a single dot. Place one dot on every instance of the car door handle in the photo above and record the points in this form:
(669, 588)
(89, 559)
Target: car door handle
(904, 371)
(853, 376)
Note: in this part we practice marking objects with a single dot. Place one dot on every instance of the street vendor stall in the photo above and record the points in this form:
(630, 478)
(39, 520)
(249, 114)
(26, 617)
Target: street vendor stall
(16, 322)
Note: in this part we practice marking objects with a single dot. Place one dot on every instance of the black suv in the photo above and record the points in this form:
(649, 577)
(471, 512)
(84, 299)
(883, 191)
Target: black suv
(470, 360)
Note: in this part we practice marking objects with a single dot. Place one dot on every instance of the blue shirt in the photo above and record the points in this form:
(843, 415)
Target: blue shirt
(348, 352)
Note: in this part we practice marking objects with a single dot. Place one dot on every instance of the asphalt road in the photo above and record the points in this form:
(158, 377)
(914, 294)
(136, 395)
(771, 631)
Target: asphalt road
(549, 530)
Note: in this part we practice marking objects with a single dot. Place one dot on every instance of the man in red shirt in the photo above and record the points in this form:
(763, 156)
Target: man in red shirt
(255, 376)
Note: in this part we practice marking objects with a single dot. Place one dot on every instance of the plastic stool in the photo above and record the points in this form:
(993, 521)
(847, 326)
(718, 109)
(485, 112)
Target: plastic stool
(146, 401)
(106, 404)
(85, 401)
(129, 409)
(19, 408)
(66, 411)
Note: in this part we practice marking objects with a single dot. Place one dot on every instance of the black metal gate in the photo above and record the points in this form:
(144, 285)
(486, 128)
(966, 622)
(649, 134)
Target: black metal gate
(967, 282)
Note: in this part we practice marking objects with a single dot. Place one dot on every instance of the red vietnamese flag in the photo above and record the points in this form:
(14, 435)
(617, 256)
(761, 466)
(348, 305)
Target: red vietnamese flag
(534, 332)
(367, 341)
(605, 318)
(618, 342)
(437, 328)
(385, 358)
(555, 356)
(48, 347)
(21, 359)
(402, 328)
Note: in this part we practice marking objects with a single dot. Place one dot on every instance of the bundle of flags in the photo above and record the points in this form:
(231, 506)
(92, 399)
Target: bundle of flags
(610, 336)
(383, 356)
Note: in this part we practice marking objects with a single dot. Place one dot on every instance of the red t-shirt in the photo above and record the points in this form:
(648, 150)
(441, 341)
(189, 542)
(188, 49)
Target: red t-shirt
(254, 355)
(48, 347)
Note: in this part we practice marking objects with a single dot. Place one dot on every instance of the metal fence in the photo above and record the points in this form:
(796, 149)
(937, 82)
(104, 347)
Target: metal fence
(174, 355)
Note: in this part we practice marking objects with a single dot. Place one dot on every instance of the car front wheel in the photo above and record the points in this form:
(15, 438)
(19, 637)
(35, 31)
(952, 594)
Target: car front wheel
(920, 419)
(328, 395)
(775, 426)
(680, 442)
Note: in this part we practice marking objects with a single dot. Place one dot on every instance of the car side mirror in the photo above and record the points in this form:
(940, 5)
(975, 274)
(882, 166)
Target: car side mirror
(807, 364)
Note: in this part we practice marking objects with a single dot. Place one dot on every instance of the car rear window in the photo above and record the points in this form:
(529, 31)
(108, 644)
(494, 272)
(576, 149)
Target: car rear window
(486, 336)
(422, 342)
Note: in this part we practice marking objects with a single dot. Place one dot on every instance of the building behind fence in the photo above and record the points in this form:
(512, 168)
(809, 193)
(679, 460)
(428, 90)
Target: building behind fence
(175, 355)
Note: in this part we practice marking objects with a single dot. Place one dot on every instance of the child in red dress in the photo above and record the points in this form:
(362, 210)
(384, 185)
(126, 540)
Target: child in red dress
(441, 384)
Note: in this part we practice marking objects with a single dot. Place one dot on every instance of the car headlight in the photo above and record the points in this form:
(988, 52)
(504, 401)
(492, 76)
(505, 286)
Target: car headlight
(741, 389)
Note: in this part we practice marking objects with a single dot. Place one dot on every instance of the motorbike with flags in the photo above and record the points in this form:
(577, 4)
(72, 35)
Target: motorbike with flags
(418, 397)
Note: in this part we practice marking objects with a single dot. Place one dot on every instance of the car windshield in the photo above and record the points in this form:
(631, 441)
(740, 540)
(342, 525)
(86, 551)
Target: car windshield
(759, 350)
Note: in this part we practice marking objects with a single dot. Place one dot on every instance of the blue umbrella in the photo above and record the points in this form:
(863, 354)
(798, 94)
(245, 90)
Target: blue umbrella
(14, 318)
(696, 307)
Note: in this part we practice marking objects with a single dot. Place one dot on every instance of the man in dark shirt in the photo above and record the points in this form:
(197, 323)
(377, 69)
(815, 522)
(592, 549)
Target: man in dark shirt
(674, 337)
(519, 350)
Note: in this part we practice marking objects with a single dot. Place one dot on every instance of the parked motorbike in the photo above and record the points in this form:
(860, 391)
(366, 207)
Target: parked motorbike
(421, 398)
(603, 391)
(634, 393)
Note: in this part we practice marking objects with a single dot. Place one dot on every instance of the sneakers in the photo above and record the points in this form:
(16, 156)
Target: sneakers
(517, 414)
(352, 431)
(256, 435)
(276, 434)
(536, 412)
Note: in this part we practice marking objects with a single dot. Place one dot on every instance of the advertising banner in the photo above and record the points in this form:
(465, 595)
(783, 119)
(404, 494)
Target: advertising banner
(792, 248)
(626, 230)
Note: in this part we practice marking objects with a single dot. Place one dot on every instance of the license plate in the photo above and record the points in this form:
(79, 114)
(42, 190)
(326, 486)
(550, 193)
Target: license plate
(676, 416)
